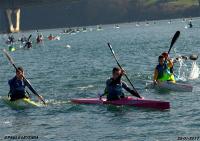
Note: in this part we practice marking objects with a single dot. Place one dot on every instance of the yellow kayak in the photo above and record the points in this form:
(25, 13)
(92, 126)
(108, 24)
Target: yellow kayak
(21, 103)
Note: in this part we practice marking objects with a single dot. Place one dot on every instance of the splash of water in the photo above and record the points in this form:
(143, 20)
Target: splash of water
(181, 71)
(194, 73)
(57, 102)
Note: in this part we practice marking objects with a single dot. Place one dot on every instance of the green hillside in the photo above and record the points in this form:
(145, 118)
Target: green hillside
(173, 2)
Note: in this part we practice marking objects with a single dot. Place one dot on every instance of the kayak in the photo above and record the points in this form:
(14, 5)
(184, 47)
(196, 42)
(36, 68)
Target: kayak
(175, 86)
(167, 85)
(54, 38)
(21, 103)
(127, 101)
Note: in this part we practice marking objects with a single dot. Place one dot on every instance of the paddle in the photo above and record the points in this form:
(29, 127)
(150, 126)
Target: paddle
(12, 62)
(113, 53)
(176, 35)
(29, 37)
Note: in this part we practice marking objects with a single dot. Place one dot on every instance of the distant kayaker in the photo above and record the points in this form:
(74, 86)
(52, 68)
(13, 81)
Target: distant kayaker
(28, 44)
(39, 38)
(114, 86)
(17, 86)
(190, 24)
(23, 39)
(51, 37)
(163, 70)
(10, 39)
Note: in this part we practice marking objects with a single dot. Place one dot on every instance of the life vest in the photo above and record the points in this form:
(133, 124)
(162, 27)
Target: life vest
(164, 73)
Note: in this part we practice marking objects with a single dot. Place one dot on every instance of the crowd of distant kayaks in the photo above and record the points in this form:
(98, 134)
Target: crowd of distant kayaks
(26, 42)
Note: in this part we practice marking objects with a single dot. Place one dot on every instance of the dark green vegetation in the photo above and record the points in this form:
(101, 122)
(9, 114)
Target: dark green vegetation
(65, 13)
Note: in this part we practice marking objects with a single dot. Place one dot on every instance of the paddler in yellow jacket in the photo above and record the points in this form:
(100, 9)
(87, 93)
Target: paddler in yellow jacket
(164, 70)
(171, 65)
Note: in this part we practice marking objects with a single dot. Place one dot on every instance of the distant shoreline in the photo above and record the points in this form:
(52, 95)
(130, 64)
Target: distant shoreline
(90, 13)
(89, 26)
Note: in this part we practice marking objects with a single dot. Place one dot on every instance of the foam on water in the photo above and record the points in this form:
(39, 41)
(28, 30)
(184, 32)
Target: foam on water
(182, 71)
(194, 73)
(85, 87)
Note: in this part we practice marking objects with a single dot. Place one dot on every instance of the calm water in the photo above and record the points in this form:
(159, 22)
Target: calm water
(60, 73)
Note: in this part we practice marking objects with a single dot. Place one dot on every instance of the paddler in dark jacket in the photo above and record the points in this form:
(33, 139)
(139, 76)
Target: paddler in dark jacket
(17, 86)
(114, 86)
(28, 44)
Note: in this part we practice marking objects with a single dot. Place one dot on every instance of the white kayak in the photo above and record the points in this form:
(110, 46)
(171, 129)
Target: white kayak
(167, 85)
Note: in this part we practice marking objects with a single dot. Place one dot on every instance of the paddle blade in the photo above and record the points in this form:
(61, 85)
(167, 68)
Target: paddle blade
(8, 56)
(176, 35)
(113, 53)
(111, 49)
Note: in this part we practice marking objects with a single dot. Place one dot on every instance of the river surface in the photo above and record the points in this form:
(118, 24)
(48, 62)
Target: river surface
(77, 66)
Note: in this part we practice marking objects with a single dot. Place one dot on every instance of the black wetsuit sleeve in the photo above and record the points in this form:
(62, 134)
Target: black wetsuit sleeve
(125, 86)
(30, 87)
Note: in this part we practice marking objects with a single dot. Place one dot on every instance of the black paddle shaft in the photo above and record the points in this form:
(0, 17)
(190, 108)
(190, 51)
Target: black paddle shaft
(29, 37)
(113, 53)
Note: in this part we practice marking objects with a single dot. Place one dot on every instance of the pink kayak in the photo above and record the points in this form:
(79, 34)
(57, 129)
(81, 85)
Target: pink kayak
(129, 101)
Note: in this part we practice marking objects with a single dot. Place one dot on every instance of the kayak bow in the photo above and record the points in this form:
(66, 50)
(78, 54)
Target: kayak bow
(175, 86)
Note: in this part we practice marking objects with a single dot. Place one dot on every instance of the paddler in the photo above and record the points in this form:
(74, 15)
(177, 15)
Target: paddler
(17, 86)
(28, 44)
(168, 61)
(39, 38)
(114, 86)
(164, 70)
(51, 37)
(190, 24)
(23, 39)
(11, 39)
